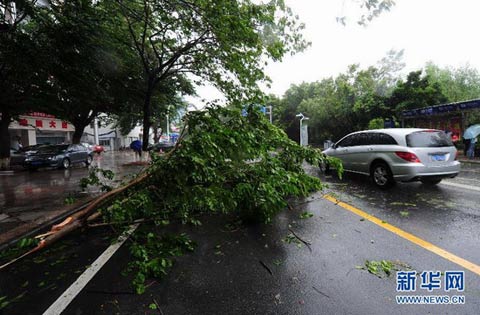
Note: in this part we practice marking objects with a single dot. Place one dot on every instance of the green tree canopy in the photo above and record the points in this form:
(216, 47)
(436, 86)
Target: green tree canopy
(226, 43)
(458, 84)
(167, 100)
(415, 92)
(88, 71)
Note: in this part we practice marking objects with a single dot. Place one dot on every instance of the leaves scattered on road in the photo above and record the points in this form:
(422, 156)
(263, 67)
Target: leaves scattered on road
(290, 238)
(383, 268)
(306, 215)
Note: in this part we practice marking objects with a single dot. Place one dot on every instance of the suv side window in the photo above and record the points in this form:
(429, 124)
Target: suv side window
(386, 139)
(362, 139)
(346, 142)
(375, 138)
(367, 138)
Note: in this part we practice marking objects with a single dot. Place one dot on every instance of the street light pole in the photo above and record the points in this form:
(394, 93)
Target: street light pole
(95, 131)
(270, 113)
(302, 118)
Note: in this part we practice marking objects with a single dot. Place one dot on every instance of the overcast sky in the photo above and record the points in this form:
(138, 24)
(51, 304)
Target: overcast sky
(441, 31)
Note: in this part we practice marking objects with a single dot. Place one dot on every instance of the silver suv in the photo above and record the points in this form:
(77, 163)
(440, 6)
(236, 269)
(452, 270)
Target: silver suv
(398, 154)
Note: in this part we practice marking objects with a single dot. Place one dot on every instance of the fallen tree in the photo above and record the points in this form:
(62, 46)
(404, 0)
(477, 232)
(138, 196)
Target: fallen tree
(223, 163)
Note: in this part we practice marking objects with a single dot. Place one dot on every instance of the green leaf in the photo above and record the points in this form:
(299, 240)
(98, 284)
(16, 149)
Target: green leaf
(306, 215)
(152, 306)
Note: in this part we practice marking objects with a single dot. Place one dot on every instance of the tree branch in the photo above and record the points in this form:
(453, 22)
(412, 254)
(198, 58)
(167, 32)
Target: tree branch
(140, 49)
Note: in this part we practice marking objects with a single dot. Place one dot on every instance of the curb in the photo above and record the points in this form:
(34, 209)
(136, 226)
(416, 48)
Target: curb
(470, 162)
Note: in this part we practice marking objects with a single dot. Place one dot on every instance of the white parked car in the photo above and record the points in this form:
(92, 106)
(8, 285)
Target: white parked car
(398, 154)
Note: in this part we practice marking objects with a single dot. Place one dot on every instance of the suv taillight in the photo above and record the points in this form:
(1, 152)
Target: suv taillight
(408, 156)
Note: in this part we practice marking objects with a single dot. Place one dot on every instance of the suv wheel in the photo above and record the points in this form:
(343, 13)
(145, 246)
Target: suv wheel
(382, 175)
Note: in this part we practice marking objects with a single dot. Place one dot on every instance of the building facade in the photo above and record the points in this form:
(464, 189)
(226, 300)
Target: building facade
(40, 128)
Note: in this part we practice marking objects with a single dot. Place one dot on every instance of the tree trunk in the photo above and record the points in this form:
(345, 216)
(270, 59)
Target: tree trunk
(155, 132)
(4, 141)
(147, 112)
(77, 134)
(80, 122)
(4, 135)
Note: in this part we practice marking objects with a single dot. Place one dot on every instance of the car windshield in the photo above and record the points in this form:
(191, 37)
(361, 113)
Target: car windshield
(428, 139)
(52, 149)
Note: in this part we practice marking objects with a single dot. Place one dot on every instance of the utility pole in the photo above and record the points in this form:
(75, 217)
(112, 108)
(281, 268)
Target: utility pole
(95, 131)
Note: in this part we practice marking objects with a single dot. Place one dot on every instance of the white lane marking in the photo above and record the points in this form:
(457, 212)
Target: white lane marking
(469, 187)
(67, 297)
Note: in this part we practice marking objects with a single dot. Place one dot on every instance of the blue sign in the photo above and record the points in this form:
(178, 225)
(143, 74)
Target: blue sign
(263, 109)
(439, 109)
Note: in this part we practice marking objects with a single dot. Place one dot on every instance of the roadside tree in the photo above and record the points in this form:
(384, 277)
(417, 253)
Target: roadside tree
(226, 43)
(88, 71)
(20, 71)
(458, 84)
(167, 100)
(415, 92)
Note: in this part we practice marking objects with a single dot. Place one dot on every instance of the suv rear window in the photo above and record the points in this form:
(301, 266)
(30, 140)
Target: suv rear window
(428, 139)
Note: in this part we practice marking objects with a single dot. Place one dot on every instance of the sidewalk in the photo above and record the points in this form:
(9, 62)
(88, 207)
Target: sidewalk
(465, 160)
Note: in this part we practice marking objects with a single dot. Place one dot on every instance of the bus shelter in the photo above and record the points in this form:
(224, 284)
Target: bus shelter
(452, 117)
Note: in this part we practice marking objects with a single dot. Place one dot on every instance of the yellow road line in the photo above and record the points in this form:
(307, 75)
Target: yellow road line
(410, 237)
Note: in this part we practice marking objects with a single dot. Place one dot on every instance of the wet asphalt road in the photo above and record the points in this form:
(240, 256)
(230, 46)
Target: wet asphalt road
(445, 215)
(257, 270)
(33, 197)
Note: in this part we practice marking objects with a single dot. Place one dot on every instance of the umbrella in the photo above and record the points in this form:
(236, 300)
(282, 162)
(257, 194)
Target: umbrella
(472, 132)
(136, 145)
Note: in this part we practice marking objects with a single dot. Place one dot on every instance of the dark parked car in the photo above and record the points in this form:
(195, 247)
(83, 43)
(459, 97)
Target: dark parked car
(32, 148)
(161, 146)
(60, 156)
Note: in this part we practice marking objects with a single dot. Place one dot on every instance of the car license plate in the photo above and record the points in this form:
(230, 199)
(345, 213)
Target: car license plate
(438, 157)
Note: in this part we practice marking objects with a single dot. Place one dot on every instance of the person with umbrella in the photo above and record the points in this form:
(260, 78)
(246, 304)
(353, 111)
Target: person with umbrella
(136, 146)
(471, 133)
